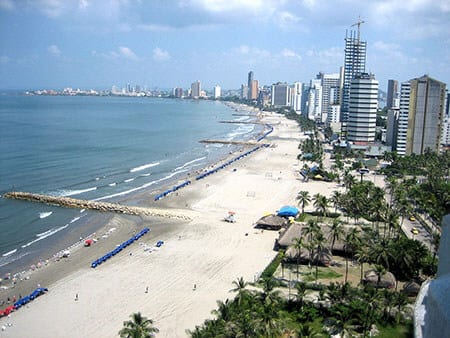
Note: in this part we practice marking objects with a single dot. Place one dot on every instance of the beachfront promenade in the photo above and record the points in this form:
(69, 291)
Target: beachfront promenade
(69, 202)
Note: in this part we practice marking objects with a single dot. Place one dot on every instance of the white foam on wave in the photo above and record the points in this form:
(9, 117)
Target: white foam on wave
(145, 166)
(141, 187)
(190, 162)
(45, 234)
(129, 180)
(145, 175)
(112, 184)
(45, 214)
(75, 219)
(6, 254)
(242, 130)
(65, 193)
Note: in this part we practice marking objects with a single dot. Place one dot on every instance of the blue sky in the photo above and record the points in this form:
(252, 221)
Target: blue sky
(168, 43)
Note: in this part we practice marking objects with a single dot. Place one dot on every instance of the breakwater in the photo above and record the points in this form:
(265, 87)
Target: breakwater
(69, 202)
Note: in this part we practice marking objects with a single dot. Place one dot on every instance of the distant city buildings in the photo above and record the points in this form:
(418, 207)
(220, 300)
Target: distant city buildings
(196, 88)
(217, 91)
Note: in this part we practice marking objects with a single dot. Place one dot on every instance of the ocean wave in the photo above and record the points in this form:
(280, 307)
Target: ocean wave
(45, 234)
(149, 184)
(75, 219)
(145, 166)
(45, 214)
(189, 163)
(242, 130)
(66, 193)
(129, 180)
(112, 184)
(6, 254)
(145, 175)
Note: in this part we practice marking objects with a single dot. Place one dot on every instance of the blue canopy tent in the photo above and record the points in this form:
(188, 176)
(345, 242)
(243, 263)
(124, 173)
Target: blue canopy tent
(288, 211)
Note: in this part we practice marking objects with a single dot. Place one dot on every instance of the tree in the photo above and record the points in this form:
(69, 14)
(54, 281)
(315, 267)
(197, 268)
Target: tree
(362, 255)
(336, 199)
(336, 231)
(380, 270)
(303, 199)
(321, 204)
(319, 241)
(298, 246)
(138, 327)
(240, 288)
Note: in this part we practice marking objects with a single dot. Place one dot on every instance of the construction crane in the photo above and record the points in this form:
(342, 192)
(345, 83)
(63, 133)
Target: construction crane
(359, 25)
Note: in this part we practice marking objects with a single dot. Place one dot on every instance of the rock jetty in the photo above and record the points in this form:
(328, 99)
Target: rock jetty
(69, 202)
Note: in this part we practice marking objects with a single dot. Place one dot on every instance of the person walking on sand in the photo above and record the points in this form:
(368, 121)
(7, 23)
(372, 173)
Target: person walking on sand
(195, 287)
(76, 297)
(146, 289)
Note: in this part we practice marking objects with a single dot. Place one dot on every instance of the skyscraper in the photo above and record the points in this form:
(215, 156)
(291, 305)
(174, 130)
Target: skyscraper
(392, 94)
(196, 89)
(296, 102)
(280, 95)
(249, 84)
(217, 91)
(425, 116)
(363, 106)
(253, 90)
(402, 122)
(354, 63)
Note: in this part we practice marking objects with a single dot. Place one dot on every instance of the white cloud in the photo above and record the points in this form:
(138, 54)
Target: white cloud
(54, 50)
(51, 8)
(287, 20)
(127, 53)
(4, 59)
(228, 5)
(7, 4)
(160, 55)
(290, 54)
(83, 4)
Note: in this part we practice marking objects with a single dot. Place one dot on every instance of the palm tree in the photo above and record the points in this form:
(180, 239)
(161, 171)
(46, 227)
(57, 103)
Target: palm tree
(138, 327)
(336, 199)
(303, 199)
(362, 255)
(240, 288)
(319, 241)
(298, 246)
(336, 231)
(380, 270)
(307, 331)
(321, 204)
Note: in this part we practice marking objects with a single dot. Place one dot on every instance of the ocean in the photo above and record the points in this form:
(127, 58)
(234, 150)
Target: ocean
(102, 148)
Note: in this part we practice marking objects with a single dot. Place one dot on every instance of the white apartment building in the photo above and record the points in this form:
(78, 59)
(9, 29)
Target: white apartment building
(363, 106)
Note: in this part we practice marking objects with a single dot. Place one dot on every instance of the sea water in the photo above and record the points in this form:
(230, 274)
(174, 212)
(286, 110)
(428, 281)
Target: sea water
(102, 148)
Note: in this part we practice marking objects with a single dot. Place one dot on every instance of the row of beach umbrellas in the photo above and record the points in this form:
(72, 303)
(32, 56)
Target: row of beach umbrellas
(122, 246)
(22, 301)
(175, 188)
(267, 133)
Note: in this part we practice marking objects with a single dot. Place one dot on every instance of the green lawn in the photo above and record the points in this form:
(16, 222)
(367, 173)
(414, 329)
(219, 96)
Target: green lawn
(324, 273)
(398, 331)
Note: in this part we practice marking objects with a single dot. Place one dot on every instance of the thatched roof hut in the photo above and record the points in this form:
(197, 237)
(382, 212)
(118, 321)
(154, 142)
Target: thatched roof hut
(291, 255)
(387, 280)
(271, 222)
(411, 289)
(287, 237)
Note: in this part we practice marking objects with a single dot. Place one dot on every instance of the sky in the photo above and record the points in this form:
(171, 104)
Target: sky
(53, 44)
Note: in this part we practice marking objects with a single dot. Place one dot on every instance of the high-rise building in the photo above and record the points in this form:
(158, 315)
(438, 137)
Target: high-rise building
(392, 94)
(217, 91)
(244, 91)
(363, 106)
(249, 84)
(196, 88)
(315, 100)
(425, 115)
(296, 101)
(402, 121)
(177, 92)
(354, 63)
(330, 89)
(392, 127)
(280, 95)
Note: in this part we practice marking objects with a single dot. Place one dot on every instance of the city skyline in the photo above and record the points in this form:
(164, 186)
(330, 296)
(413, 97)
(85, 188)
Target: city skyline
(98, 44)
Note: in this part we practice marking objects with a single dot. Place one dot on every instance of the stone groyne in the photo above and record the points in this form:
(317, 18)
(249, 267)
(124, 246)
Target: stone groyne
(69, 202)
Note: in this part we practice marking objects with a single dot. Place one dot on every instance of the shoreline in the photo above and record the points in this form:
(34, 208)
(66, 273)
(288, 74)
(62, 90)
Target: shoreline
(216, 194)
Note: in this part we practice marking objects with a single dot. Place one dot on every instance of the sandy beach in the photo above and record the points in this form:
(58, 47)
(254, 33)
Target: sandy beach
(206, 252)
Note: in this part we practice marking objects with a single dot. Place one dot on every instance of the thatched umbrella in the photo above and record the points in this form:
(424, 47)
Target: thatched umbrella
(411, 289)
(387, 280)
(271, 222)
